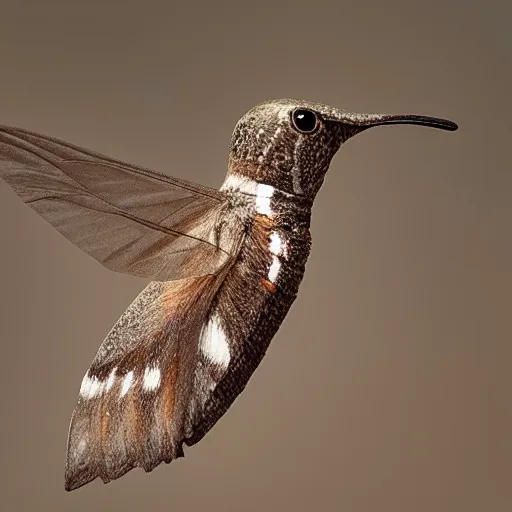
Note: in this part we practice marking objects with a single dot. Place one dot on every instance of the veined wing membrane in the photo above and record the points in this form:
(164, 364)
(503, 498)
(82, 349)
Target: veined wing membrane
(130, 219)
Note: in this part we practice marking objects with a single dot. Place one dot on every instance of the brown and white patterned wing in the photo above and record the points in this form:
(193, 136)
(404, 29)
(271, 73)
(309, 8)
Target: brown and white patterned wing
(147, 383)
(130, 219)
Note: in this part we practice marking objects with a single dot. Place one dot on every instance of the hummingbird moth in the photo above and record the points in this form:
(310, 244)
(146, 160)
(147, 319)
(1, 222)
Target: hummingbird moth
(225, 267)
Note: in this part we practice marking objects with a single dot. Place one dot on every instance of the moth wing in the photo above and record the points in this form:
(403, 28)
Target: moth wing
(146, 384)
(130, 219)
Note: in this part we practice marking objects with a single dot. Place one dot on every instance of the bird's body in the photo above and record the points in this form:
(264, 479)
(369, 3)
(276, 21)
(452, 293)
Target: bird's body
(225, 266)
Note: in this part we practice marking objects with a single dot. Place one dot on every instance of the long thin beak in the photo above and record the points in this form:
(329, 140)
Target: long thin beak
(364, 121)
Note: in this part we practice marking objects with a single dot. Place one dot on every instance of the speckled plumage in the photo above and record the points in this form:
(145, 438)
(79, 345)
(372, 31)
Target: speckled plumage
(226, 266)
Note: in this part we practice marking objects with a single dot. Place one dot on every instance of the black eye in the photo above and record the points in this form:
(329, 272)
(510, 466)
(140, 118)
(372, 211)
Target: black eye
(305, 121)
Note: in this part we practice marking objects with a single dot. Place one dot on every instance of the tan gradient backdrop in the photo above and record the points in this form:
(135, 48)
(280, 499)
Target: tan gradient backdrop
(388, 388)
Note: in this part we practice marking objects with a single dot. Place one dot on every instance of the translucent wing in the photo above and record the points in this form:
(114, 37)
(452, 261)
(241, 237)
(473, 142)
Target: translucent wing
(130, 219)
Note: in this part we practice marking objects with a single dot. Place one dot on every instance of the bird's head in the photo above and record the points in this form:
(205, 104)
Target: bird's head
(288, 144)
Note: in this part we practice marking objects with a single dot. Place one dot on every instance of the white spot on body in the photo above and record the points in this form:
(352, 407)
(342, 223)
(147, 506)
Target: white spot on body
(213, 343)
(277, 245)
(278, 248)
(262, 191)
(274, 269)
(151, 378)
(127, 383)
(91, 387)
(263, 195)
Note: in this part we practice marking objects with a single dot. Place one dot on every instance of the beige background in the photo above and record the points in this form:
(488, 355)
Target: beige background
(388, 388)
